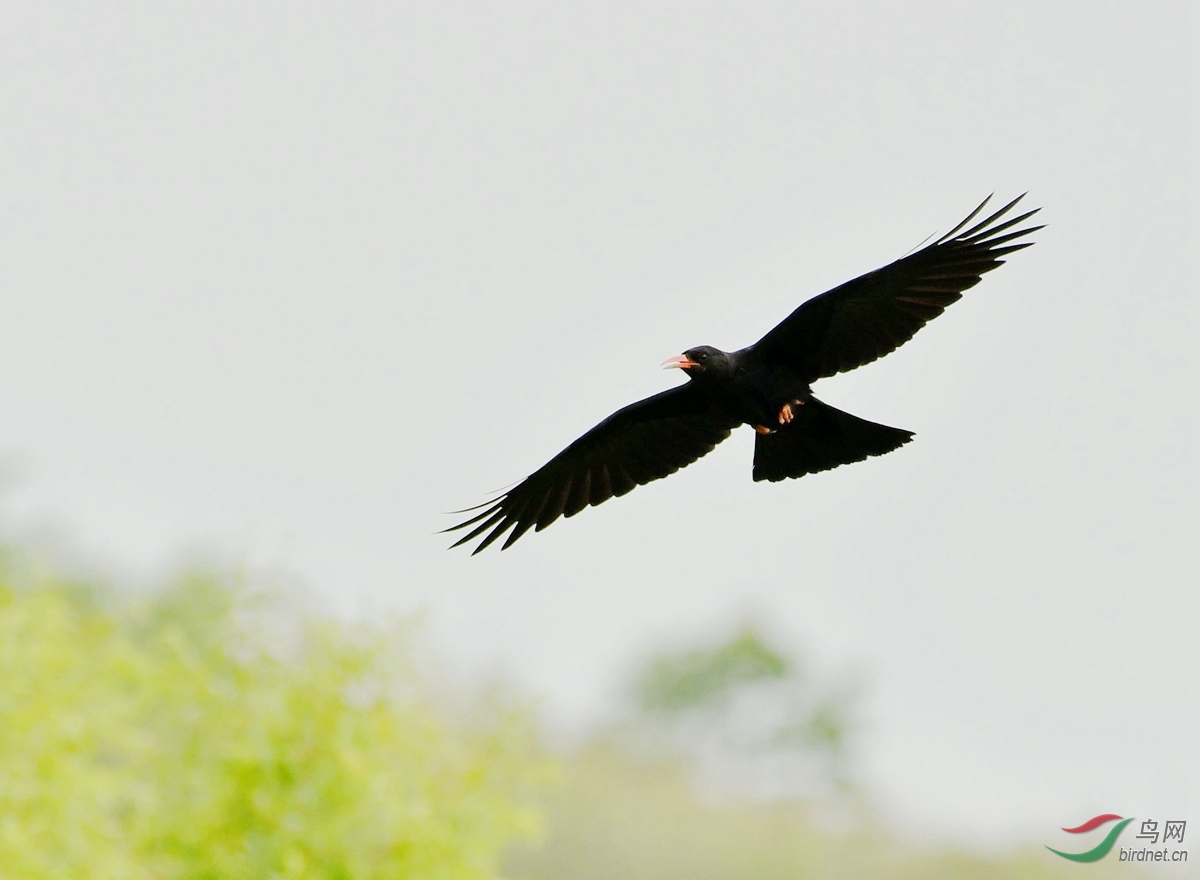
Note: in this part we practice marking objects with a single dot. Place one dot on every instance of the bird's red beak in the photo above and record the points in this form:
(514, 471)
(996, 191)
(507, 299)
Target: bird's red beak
(680, 361)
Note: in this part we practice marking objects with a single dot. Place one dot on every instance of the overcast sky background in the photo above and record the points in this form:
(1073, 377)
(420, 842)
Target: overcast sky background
(285, 282)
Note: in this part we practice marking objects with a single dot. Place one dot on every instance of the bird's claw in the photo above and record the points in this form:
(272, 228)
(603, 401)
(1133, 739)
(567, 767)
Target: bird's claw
(785, 413)
(763, 429)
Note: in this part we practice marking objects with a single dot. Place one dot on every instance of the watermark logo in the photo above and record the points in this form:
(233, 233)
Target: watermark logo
(1172, 831)
(1101, 849)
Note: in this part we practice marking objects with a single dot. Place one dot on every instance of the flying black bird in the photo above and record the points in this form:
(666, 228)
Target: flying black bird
(766, 386)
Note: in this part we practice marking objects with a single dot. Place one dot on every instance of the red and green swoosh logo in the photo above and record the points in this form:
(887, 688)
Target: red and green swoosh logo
(1101, 849)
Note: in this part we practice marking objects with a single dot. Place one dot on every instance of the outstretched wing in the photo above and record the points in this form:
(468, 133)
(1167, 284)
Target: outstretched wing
(645, 441)
(876, 313)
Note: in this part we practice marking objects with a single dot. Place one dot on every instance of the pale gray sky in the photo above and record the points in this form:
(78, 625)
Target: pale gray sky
(287, 281)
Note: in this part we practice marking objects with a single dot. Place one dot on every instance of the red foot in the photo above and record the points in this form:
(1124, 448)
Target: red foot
(786, 414)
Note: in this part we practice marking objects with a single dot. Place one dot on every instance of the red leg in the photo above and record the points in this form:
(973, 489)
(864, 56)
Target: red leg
(785, 413)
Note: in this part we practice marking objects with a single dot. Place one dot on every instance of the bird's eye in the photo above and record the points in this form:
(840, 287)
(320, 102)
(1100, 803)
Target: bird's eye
(702, 356)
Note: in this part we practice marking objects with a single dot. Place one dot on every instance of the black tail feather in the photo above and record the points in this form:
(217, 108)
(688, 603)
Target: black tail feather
(819, 438)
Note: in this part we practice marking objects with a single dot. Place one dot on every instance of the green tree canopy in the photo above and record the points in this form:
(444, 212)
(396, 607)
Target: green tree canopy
(164, 739)
(705, 676)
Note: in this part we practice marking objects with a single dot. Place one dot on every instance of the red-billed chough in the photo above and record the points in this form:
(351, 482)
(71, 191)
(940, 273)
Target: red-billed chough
(766, 386)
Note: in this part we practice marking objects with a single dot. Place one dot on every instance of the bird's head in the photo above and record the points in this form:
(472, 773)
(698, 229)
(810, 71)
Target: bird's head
(701, 360)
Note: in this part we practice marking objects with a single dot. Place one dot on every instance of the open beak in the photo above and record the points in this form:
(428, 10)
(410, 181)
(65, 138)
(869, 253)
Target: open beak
(680, 361)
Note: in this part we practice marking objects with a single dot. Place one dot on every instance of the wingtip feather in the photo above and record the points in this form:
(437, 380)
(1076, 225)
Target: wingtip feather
(953, 232)
(984, 224)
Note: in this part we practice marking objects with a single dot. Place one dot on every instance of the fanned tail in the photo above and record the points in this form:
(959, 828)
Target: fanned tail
(820, 438)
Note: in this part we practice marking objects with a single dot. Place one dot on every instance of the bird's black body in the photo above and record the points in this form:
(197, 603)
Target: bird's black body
(767, 385)
(754, 390)
(744, 384)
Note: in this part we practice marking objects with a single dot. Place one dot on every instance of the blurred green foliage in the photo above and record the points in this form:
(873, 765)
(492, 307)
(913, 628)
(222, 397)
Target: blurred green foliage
(617, 817)
(166, 738)
(744, 717)
(190, 736)
(737, 787)
(704, 676)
